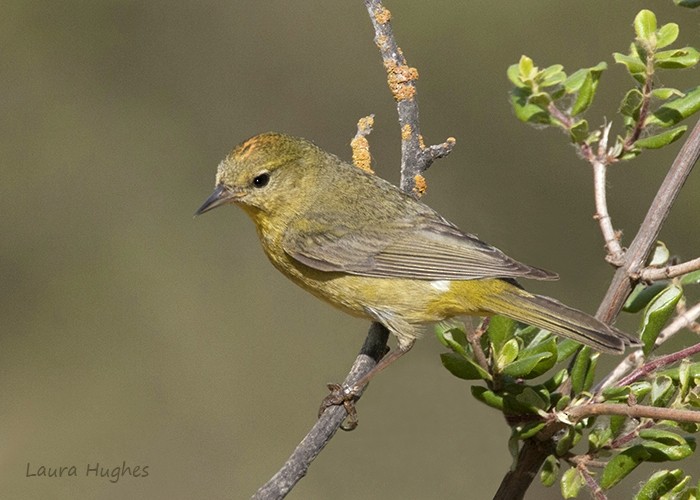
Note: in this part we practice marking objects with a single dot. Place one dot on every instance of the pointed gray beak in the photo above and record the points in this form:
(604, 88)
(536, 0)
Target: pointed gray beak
(219, 197)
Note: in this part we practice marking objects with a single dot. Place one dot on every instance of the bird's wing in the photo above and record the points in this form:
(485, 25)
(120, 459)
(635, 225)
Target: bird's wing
(428, 249)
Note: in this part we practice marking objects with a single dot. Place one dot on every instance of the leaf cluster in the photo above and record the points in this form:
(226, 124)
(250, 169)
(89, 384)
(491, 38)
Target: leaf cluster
(550, 97)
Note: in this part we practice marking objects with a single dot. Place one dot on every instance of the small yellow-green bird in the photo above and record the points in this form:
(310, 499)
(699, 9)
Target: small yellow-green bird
(363, 245)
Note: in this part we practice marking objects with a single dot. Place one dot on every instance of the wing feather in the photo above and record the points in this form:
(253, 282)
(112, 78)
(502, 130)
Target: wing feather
(429, 249)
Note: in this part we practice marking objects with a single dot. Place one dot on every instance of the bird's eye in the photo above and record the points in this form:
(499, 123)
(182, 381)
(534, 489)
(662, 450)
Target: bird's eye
(261, 180)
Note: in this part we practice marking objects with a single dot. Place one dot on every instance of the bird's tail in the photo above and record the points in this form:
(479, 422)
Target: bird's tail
(560, 319)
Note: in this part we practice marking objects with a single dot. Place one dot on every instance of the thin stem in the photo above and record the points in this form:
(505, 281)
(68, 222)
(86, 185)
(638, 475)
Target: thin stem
(633, 411)
(657, 363)
(655, 274)
(612, 243)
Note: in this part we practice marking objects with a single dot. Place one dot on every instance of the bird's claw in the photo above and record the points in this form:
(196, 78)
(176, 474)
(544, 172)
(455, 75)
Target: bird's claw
(340, 395)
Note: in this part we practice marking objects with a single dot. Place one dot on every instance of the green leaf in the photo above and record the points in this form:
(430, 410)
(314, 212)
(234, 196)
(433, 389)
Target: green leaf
(550, 471)
(579, 370)
(514, 76)
(660, 140)
(676, 110)
(536, 350)
(453, 338)
(507, 354)
(525, 368)
(571, 483)
(530, 430)
(585, 95)
(660, 483)
(527, 68)
(631, 104)
(634, 64)
(586, 91)
(500, 331)
(565, 348)
(657, 313)
(526, 112)
(662, 390)
(570, 439)
(579, 132)
(665, 93)
(574, 82)
(687, 57)
(590, 374)
(463, 367)
(617, 424)
(674, 373)
(684, 372)
(645, 26)
(659, 256)
(487, 397)
(556, 380)
(540, 99)
(665, 445)
(642, 295)
(667, 34)
(621, 465)
(532, 400)
(691, 278)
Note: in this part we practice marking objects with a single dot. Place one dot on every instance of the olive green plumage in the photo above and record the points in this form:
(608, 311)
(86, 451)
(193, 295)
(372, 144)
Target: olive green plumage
(361, 244)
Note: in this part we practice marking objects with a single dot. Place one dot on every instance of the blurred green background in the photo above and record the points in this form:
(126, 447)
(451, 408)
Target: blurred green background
(133, 332)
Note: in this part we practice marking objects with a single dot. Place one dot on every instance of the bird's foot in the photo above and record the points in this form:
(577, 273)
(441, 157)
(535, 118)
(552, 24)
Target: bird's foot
(345, 396)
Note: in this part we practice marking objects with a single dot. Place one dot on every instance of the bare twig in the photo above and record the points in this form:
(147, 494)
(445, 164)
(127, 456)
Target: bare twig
(596, 490)
(655, 274)
(655, 364)
(600, 168)
(632, 411)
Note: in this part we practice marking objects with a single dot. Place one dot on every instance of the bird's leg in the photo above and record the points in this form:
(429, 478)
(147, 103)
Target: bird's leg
(346, 396)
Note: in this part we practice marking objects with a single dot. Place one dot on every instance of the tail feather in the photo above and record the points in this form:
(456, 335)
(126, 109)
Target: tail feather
(560, 319)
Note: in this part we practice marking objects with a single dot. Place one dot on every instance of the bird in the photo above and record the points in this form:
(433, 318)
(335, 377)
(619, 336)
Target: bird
(358, 242)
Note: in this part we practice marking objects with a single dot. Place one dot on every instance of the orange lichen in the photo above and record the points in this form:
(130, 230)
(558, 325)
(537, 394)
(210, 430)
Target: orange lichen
(383, 16)
(400, 79)
(406, 132)
(361, 156)
(421, 142)
(420, 185)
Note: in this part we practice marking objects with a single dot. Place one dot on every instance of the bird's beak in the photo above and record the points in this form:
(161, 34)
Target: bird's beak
(220, 196)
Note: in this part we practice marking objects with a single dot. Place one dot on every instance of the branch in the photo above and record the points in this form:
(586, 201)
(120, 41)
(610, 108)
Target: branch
(533, 453)
(632, 411)
(655, 274)
(416, 158)
(641, 246)
(327, 424)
